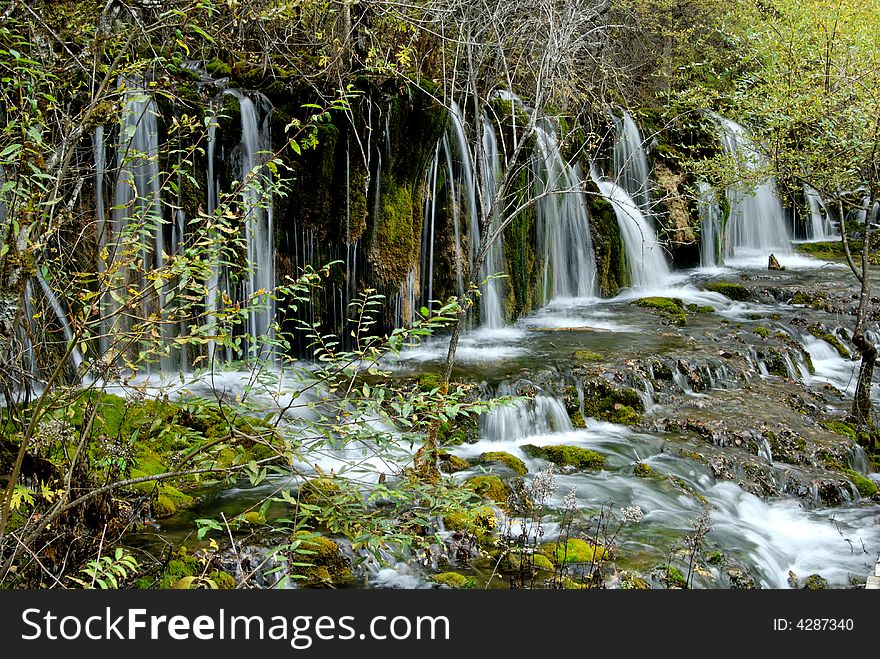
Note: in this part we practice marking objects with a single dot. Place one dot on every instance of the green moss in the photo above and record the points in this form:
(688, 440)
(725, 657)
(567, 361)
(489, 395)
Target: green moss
(841, 428)
(606, 402)
(700, 308)
(480, 522)
(254, 518)
(577, 419)
(567, 456)
(502, 457)
(729, 289)
(585, 356)
(763, 332)
(430, 381)
(327, 566)
(573, 550)
(829, 338)
(169, 500)
(218, 68)
(643, 470)
(865, 486)
(715, 558)
(611, 266)
(672, 307)
(490, 487)
(672, 577)
(449, 463)
(318, 491)
(830, 251)
(517, 562)
(453, 580)
(186, 571)
(396, 240)
(629, 581)
(815, 582)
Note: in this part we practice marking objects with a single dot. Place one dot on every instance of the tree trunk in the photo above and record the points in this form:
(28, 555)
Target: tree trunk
(862, 406)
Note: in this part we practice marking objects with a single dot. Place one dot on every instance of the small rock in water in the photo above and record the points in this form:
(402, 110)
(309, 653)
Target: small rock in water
(773, 263)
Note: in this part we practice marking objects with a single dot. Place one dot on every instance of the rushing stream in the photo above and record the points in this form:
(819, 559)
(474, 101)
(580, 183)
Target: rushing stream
(770, 539)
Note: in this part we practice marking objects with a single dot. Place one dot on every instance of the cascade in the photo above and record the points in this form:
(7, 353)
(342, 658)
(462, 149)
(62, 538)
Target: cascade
(630, 161)
(524, 418)
(256, 202)
(756, 223)
(710, 226)
(75, 355)
(820, 226)
(563, 221)
(491, 309)
(645, 260)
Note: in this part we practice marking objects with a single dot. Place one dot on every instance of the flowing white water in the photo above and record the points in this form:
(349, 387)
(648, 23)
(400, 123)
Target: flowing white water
(756, 224)
(491, 308)
(137, 206)
(562, 221)
(630, 161)
(820, 224)
(256, 200)
(710, 226)
(75, 354)
(645, 260)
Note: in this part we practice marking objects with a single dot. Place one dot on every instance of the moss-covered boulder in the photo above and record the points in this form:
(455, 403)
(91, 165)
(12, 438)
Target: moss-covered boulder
(186, 572)
(573, 550)
(449, 463)
(491, 487)
(670, 307)
(567, 456)
(479, 522)
(503, 458)
(865, 486)
(729, 289)
(327, 566)
(317, 491)
(644, 470)
(607, 402)
(454, 580)
(815, 582)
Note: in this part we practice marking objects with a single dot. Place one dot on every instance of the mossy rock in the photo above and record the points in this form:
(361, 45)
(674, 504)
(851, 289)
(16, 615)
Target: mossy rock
(729, 289)
(573, 550)
(185, 571)
(454, 580)
(450, 464)
(865, 486)
(815, 582)
(503, 458)
(169, 500)
(479, 522)
(700, 308)
(763, 332)
(829, 338)
(430, 381)
(628, 581)
(672, 307)
(567, 456)
(327, 565)
(671, 576)
(606, 402)
(517, 562)
(317, 491)
(490, 487)
(577, 419)
(585, 356)
(644, 470)
(253, 518)
(841, 428)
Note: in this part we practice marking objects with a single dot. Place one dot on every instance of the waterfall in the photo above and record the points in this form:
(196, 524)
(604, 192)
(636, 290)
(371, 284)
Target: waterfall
(256, 202)
(523, 418)
(75, 355)
(645, 259)
(710, 225)
(491, 308)
(562, 220)
(630, 162)
(820, 226)
(756, 222)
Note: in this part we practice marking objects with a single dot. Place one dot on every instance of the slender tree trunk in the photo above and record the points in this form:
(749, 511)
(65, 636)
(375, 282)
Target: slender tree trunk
(862, 405)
